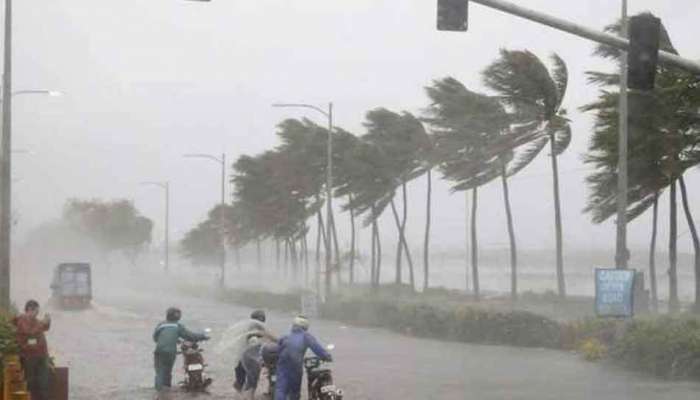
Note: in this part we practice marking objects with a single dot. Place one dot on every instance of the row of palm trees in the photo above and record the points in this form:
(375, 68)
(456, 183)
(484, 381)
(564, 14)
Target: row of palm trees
(470, 138)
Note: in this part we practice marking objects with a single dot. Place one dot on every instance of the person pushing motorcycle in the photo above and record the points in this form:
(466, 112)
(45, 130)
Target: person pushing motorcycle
(243, 332)
(166, 336)
(290, 365)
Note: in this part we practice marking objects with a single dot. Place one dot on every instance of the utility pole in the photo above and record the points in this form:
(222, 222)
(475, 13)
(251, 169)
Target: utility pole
(621, 252)
(6, 164)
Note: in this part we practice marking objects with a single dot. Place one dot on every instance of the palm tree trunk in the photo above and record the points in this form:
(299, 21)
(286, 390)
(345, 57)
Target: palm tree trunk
(352, 243)
(375, 228)
(336, 248)
(317, 271)
(411, 271)
(293, 257)
(286, 257)
(696, 242)
(334, 232)
(402, 239)
(673, 302)
(652, 255)
(373, 270)
(258, 252)
(561, 283)
(379, 255)
(511, 237)
(305, 244)
(237, 256)
(475, 246)
(277, 254)
(324, 238)
(426, 241)
(399, 246)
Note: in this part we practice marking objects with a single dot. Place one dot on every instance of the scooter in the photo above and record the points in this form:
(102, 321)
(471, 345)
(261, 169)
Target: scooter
(320, 379)
(194, 366)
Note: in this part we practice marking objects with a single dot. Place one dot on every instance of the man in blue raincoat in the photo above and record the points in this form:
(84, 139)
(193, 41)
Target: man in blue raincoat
(166, 336)
(290, 365)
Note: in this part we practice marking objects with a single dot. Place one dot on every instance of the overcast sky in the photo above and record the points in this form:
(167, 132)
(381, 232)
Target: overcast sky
(149, 80)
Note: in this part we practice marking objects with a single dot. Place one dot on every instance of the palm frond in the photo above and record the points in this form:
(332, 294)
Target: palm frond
(525, 156)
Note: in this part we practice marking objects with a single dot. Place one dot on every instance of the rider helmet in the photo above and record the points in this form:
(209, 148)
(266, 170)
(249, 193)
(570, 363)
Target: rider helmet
(173, 314)
(301, 322)
(258, 315)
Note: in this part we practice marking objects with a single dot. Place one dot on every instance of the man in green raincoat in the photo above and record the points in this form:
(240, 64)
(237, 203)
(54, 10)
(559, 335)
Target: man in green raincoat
(166, 336)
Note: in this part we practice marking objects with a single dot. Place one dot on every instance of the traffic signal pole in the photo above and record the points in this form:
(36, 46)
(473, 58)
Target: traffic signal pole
(621, 252)
(584, 32)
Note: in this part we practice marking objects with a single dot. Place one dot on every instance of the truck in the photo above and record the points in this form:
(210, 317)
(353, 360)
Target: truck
(71, 286)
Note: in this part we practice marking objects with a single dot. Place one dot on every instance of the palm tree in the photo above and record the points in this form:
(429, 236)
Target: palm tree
(523, 82)
(466, 126)
(479, 138)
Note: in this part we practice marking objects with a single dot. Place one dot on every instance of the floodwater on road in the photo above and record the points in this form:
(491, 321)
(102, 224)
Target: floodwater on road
(109, 352)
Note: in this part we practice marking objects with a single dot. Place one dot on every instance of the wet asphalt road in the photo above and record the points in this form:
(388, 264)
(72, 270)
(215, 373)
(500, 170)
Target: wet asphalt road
(109, 352)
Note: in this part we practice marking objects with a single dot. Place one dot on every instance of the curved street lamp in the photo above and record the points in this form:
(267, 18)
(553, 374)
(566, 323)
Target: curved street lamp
(222, 213)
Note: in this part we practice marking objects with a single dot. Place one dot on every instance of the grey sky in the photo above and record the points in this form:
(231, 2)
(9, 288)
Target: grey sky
(149, 80)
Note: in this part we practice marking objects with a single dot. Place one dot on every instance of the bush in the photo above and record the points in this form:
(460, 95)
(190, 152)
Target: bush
(605, 331)
(8, 339)
(460, 323)
(592, 349)
(664, 346)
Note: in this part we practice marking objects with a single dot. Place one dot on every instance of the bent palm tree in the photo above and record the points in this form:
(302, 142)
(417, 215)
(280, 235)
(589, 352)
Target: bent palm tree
(535, 93)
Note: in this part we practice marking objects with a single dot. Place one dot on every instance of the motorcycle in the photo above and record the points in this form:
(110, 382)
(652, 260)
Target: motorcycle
(194, 367)
(320, 379)
(269, 354)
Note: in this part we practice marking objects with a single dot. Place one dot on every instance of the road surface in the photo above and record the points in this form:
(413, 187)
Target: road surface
(109, 352)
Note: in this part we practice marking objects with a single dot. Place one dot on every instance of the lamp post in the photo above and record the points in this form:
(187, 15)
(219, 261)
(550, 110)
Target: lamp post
(166, 187)
(222, 211)
(6, 160)
(329, 184)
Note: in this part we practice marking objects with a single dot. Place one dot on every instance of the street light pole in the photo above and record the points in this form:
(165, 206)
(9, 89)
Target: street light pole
(621, 253)
(166, 187)
(222, 211)
(6, 164)
(329, 186)
(222, 220)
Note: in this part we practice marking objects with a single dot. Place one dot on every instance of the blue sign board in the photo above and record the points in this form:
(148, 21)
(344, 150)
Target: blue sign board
(614, 292)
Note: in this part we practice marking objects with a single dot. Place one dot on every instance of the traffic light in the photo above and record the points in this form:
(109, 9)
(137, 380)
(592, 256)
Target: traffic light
(452, 15)
(643, 54)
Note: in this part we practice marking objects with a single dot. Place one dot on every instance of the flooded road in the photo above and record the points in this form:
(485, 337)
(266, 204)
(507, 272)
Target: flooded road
(109, 352)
